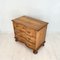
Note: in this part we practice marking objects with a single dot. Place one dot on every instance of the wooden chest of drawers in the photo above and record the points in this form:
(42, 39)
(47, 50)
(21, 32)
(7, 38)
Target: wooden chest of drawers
(30, 31)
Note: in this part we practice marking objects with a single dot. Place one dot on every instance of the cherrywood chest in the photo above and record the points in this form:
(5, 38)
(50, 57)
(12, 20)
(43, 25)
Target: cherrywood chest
(30, 31)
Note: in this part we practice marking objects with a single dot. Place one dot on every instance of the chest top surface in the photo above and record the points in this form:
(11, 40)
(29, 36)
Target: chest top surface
(30, 22)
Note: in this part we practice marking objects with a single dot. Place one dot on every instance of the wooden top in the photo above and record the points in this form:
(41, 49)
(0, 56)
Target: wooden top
(30, 22)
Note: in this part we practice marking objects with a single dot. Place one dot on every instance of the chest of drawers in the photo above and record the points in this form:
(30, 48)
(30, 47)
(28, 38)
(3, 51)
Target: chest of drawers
(30, 31)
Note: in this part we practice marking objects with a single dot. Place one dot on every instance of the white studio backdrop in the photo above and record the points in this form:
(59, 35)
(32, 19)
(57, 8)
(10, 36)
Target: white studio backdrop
(46, 10)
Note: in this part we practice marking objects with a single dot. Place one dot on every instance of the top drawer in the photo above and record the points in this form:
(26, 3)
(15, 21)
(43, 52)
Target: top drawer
(24, 29)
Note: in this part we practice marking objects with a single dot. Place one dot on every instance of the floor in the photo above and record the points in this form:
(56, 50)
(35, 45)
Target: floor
(11, 50)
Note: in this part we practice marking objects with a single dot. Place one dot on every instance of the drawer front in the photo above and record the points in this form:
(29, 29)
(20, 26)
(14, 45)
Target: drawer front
(30, 45)
(24, 29)
(18, 26)
(25, 36)
(20, 38)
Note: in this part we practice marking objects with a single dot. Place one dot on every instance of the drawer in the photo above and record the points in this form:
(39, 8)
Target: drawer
(27, 37)
(20, 38)
(31, 40)
(31, 32)
(18, 32)
(24, 29)
(18, 26)
(30, 45)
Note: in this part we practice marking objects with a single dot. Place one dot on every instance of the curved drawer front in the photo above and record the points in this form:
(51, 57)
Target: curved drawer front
(25, 36)
(24, 29)
(20, 38)
(18, 26)
(30, 45)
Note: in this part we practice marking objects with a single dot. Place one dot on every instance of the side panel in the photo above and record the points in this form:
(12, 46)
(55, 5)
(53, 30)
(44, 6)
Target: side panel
(40, 37)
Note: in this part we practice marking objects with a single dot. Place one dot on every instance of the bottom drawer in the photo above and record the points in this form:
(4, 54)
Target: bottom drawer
(24, 36)
(30, 45)
(20, 38)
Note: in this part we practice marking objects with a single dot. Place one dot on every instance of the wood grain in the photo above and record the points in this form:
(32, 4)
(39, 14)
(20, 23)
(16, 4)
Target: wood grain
(30, 31)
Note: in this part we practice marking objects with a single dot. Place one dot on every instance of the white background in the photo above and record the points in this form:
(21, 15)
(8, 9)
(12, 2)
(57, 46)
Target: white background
(47, 10)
